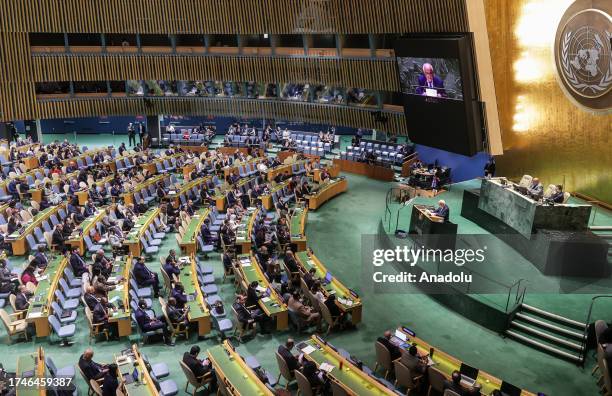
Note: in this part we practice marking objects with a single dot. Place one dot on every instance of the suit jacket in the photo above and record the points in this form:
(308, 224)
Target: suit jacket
(252, 297)
(110, 385)
(291, 360)
(413, 363)
(291, 263)
(57, 238)
(244, 315)
(175, 314)
(141, 273)
(77, 264)
(21, 301)
(171, 269)
(195, 365)
(443, 212)
(91, 300)
(181, 298)
(99, 314)
(41, 259)
(437, 84)
(91, 369)
(142, 319)
(393, 349)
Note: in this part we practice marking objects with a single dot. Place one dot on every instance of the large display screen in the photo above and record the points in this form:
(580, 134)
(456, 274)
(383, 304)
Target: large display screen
(433, 77)
(439, 86)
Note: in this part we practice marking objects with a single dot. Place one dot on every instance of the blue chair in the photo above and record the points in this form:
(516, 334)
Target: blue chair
(141, 292)
(91, 247)
(69, 292)
(152, 241)
(33, 244)
(68, 316)
(212, 299)
(148, 249)
(68, 304)
(148, 301)
(160, 370)
(72, 280)
(209, 290)
(62, 332)
(144, 335)
(165, 388)
(64, 372)
(155, 233)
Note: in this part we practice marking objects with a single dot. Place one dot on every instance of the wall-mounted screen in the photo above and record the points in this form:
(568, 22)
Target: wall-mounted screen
(433, 77)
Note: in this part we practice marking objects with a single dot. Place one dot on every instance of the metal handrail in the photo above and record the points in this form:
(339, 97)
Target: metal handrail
(586, 328)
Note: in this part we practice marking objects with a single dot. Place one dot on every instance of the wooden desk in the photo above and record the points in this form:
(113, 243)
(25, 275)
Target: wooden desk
(128, 197)
(198, 310)
(136, 388)
(267, 201)
(32, 362)
(354, 307)
(333, 170)
(273, 306)
(350, 378)
(186, 187)
(189, 243)
(297, 228)
(230, 368)
(243, 234)
(142, 224)
(121, 267)
(77, 240)
(18, 239)
(31, 162)
(40, 307)
(327, 192)
(447, 364)
(362, 168)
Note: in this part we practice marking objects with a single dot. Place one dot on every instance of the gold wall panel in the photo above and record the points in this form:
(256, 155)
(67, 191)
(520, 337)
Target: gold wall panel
(543, 133)
(232, 16)
(369, 74)
(308, 112)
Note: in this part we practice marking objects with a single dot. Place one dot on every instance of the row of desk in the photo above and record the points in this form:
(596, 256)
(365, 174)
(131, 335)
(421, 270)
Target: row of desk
(326, 192)
(18, 238)
(132, 241)
(273, 305)
(40, 307)
(297, 227)
(189, 242)
(199, 313)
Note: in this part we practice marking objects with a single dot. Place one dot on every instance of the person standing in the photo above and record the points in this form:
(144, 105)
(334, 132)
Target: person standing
(131, 134)
(142, 131)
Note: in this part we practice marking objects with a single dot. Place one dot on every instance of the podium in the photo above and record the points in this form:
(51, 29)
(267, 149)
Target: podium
(430, 230)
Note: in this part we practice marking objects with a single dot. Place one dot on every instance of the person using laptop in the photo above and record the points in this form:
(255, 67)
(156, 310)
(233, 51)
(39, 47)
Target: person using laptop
(415, 362)
(393, 349)
(91, 369)
(454, 384)
(310, 277)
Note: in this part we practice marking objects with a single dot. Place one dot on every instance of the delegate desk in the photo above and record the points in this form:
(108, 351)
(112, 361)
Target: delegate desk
(234, 374)
(363, 168)
(524, 214)
(76, 239)
(32, 366)
(142, 224)
(350, 378)
(297, 228)
(119, 296)
(333, 170)
(40, 305)
(128, 197)
(18, 238)
(432, 230)
(127, 363)
(198, 310)
(326, 192)
(273, 305)
(446, 363)
(245, 229)
(266, 199)
(197, 183)
(346, 299)
(189, 242)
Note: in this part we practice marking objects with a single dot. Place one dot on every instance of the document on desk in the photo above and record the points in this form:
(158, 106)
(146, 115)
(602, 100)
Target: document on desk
(265, 299)
(326, 367)
(308, 350)
(245, 264)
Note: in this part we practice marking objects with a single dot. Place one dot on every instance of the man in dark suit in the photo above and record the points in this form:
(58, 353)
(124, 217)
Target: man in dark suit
(142, 131)
(145, 277)
(309, 277)
(252, 294)
(412, 360)
(77, 263)
(100, 313)
(91, 369)
(131, 134)
(40, 258)
(147, 324)
(22, 298)
(200, 368)
(393, 349)
(171, 265)
(442, 210)
(175, 314)
(290, 261)
(285, 351)
(558, 196)
(247, 317)
(90, 298)
(428, 80)
(58, 239)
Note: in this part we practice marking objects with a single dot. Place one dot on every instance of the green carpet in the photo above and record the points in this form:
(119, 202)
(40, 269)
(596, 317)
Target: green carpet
(334, 232)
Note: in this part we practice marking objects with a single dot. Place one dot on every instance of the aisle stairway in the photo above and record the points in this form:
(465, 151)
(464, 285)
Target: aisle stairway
(549, 332)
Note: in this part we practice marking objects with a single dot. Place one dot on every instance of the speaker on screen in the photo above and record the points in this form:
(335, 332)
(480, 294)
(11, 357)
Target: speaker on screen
(439, 86)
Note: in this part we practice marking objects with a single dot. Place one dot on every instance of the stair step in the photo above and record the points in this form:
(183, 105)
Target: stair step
(543, 346)
(550, 326)
(553, 316)
(547, 336)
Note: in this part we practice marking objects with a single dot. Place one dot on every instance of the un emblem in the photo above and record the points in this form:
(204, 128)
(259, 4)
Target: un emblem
(583, 55)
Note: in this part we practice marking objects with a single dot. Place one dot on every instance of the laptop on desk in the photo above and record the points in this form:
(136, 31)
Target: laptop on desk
(328, 278)
(509, 389)
(468, 374)
(399, 339)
